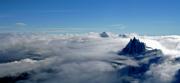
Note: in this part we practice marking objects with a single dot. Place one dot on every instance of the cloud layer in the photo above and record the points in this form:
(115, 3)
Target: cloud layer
(56, 58)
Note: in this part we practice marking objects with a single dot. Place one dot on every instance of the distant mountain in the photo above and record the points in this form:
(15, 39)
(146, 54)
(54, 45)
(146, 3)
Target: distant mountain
(123, 35)
(104, 34)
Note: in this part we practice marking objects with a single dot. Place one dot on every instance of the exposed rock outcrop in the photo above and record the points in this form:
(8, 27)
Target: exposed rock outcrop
(134, 47)
(137, 51)
(104, 34)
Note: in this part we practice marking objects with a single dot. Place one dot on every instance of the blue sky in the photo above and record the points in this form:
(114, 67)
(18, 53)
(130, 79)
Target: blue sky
(154, 17)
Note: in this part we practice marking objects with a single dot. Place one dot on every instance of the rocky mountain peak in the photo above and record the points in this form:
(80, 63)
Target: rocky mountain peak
(134, 47)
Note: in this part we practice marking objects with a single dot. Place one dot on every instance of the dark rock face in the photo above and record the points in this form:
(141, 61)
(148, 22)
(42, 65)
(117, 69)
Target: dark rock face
(145, 58)
(14, 79)
(177, 77)
(134, 47)
(177, 60)
(104, 34)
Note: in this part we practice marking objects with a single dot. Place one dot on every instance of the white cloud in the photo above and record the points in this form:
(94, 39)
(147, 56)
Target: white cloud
(75, 58)
(20, 24)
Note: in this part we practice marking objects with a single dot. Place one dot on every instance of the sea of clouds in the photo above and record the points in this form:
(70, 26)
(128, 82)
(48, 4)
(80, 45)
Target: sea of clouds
(82, 58)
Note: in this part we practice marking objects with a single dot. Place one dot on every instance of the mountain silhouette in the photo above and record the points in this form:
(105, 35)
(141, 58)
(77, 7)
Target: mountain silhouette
(134, 47)
(104, 34)
(144, 57)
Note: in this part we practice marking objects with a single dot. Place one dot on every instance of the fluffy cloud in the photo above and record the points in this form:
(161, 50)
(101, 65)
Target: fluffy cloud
(52, 58)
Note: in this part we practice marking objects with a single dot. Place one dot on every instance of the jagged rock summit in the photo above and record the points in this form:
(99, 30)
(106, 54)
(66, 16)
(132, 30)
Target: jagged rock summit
(137, 52)
(134, 47)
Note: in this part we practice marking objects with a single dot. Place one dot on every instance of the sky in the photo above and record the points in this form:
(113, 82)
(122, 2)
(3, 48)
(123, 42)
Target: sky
(154, 17)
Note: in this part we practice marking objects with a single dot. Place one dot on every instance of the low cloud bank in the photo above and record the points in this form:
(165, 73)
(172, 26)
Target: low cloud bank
(54, 58)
